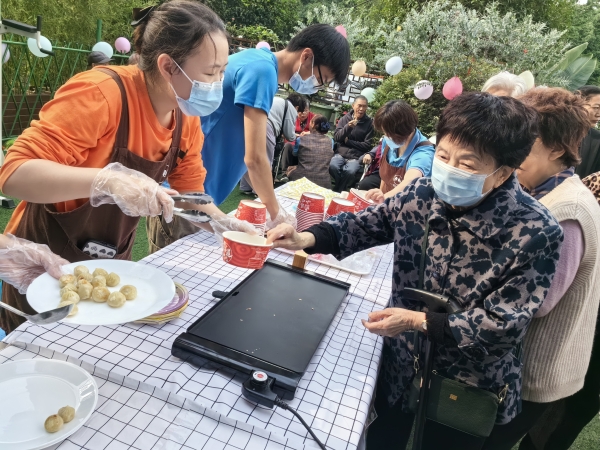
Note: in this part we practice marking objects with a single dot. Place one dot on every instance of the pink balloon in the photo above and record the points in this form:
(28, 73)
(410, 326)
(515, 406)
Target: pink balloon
(122, 45)
(263, 44)
(452, 88)
(340, 29)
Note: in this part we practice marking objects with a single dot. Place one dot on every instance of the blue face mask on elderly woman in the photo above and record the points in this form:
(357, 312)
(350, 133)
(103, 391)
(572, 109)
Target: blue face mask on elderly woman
(457, 187)
(204, 99)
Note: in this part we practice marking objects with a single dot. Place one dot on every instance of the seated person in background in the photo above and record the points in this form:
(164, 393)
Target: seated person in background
(311, 154)
(353, 135)
(303, 120)
(281, 121)
(406, 153)
(505, 84)
(371, 161)
(97, 59)
(590, 146)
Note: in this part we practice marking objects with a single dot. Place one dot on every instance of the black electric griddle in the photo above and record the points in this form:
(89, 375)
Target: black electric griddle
(273, 321)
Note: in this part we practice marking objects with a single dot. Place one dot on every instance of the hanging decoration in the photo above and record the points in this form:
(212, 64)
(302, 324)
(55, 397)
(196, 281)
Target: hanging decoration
(5, 53)
(103, 47)
(423, 89)
(340, 29)
(33, 47)
(368, 92)
(359, 68)
(528, 79)
(123, 45)
(393, 66)
(263, 44)
(452, 88)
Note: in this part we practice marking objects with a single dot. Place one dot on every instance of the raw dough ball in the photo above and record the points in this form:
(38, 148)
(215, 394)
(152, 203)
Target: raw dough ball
(67, 288)
(112, 279)
(85, 291)
(66, 279)
(67, 413)
(74, 309)
(53, 423)
(85, 276)
(100, 294)
(129, 291)
(79, 270)
(100, 272)
(70, 296)
(116, 300)
(99, 281)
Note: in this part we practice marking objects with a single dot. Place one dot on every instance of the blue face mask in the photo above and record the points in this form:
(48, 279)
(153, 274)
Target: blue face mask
(204, 99)
(306, 87)
(457, 187)
(391, 144)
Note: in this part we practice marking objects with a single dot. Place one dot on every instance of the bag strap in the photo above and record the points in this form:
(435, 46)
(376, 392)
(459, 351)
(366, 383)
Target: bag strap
(416, 343)
(285, 108)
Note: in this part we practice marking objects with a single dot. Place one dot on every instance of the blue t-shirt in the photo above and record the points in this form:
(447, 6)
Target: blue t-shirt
(421, 158)
(250, 80)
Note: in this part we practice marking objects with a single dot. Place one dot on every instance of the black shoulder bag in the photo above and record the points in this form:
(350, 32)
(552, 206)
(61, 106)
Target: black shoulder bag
(452, 403)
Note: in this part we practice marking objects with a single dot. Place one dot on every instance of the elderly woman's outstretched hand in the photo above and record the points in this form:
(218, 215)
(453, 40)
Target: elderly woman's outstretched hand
(285, 236)
(392, 321)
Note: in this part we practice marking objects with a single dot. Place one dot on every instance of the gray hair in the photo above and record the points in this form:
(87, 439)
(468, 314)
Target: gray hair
(506, 81)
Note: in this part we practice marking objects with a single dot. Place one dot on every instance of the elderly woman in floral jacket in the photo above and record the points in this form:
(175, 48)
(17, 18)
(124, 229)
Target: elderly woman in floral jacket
(491, 247)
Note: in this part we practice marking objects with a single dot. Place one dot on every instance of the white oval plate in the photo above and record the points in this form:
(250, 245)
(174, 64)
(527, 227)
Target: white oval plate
(33, 389)
(155, 291)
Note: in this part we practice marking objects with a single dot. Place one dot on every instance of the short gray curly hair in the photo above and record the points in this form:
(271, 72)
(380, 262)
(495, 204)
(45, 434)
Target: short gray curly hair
(506, 81)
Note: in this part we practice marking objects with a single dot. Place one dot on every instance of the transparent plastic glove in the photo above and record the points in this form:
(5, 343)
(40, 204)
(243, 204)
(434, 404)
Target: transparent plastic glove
(22, 261)
(135, 193)
(282, 217)
(221, 224)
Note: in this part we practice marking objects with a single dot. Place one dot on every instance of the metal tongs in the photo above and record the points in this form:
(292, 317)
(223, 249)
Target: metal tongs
(193, 215)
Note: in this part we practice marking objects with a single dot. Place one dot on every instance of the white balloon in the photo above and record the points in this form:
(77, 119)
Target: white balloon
(368, 92)
(393, 66)
(423, 89)
(528, 78)
(103, 47)
(33, 47)
(5, 53)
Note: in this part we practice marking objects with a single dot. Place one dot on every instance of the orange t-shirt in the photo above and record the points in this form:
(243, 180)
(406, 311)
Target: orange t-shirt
(78, 128)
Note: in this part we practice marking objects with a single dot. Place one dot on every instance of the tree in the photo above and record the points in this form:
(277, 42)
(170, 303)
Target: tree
(586, 28)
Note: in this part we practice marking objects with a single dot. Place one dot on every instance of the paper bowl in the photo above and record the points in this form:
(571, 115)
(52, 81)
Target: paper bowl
(245, 250)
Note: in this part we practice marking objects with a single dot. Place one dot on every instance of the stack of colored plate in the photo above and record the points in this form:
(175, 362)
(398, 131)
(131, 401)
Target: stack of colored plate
(173, 310)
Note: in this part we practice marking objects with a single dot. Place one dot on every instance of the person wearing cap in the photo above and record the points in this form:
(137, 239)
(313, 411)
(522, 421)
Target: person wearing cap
(97, 59)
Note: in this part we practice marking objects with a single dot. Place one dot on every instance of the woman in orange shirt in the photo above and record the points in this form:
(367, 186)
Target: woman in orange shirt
(94, 161)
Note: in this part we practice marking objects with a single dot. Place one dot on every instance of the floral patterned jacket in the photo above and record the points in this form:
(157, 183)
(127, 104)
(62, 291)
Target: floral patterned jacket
(497, 260)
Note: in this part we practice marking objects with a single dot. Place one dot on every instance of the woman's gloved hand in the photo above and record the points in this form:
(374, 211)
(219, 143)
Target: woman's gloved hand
(135, 193)
(221, 224)
(22, 261)
(282, 217)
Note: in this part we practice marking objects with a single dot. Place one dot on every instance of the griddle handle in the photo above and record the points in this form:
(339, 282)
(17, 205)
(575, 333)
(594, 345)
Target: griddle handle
(220, 294)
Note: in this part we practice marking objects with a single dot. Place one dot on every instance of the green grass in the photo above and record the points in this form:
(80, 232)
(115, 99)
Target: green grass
(589, 439)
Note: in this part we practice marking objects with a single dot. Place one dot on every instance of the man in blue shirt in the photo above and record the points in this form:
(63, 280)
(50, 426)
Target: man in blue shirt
(235, 134)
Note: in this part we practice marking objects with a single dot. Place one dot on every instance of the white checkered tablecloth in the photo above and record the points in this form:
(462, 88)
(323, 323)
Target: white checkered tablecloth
(333, 396)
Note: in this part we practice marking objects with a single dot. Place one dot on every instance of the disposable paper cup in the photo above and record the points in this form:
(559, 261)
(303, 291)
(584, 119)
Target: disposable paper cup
(312, 203)
(358, 198)
(306, 220)
(338, 206)
(245, 250)
(253, 212)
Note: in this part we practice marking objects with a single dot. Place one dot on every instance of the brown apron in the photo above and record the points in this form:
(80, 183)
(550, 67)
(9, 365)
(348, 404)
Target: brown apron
(66, 232)
(392, 176)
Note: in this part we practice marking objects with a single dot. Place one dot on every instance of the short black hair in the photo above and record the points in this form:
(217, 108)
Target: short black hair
(397, 119)
(330, 48)
(501, 127)
(588, 91)
(361, 97)
(298, 100)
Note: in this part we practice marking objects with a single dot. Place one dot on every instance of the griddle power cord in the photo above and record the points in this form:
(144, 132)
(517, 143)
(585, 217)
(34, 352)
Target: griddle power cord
(284, 405)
